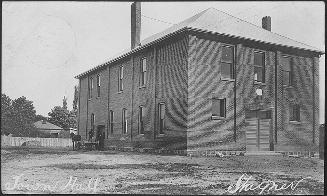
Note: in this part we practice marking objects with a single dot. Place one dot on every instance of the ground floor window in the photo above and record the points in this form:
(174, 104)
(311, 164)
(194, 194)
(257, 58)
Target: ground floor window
(91, 132)
(111, 121)
(295, 113)
(218, 108)
(141, 123)
(162, 114)
(124, 121)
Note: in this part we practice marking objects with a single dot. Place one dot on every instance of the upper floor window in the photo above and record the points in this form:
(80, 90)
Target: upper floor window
(259, 67)
(90, 87)
(143, 72)
(162, 116)
(141, 123)
(287, 70)
(218, 108)
(227, 62)
(120, 78)
(124, 121)
(295, 113)
(98, 85)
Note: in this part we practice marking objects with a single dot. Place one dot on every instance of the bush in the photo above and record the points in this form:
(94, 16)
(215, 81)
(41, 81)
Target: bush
(32, 143)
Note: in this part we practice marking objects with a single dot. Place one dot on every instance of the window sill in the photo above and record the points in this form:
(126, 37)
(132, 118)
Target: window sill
(119, 92)
(227, 79)
(217, 118)
(295, 122)
(288, 87)
(161, 135)
(259, 83)
(142, 87)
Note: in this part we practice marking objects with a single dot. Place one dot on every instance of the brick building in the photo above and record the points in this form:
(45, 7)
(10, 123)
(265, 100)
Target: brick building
(211, 82)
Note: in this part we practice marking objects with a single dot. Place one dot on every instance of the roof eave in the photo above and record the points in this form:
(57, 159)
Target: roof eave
(259, 41)
(131, 52)
(179, 31)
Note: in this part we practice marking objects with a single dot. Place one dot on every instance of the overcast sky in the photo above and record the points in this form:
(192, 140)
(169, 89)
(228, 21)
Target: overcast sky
(46, 44)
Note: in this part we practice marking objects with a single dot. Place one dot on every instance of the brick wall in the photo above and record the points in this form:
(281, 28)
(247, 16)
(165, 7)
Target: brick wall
(171, 89)
(297, 136)
(120, 100)
(82, 108)
(204, 83)
(184, 73)
(96, 105)
(166, 82)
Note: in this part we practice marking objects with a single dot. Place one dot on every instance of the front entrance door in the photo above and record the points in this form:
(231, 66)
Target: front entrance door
(258, 131)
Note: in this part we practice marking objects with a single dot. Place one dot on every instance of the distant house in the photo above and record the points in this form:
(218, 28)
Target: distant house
(53, 130)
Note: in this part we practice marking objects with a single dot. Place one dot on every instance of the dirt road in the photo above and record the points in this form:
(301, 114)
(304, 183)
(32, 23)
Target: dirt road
(61, 171)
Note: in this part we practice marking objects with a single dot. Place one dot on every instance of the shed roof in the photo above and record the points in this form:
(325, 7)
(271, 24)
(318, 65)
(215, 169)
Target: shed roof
(46, 126)
(216, 21)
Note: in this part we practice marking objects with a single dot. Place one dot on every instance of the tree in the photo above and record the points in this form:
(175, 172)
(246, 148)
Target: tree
(64, 103)
(75, 101)
(73, 119)
(18, 117)
(40, 117)
(6, 114)
(23, 115)
(73, 113)
(61, 117)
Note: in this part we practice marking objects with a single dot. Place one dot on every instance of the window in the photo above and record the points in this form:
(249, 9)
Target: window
(92, 121)
(295, 113)
(162, 114)
(218, 108)
(251, 114)
(124, 121)
(259, 67)
(111, 121)
(98, 85)
(227, 62)
(143, 72)
(141, 124)
(90, 87)
(287, 71)
(264, 114)
(120, 78)
(261, 114)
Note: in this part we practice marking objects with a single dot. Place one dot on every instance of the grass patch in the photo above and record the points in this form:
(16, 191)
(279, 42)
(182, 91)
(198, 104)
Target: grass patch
(169, 167)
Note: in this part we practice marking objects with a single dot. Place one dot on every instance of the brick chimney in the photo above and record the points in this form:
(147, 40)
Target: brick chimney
(266, 23)
(135, 24)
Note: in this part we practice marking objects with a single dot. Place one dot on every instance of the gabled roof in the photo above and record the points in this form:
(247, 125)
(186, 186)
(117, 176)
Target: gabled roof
(216, 21)
(46, 126)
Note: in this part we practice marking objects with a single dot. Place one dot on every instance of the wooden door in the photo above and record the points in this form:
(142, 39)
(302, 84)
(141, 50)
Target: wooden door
(258, 131)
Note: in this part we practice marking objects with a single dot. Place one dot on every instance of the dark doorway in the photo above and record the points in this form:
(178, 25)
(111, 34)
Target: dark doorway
(100, 136)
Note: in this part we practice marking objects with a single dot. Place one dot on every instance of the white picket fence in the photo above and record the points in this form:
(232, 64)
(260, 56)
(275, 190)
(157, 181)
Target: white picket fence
(45, 142)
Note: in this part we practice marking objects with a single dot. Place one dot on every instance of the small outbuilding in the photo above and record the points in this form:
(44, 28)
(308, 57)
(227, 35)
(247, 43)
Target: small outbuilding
(53, 130)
